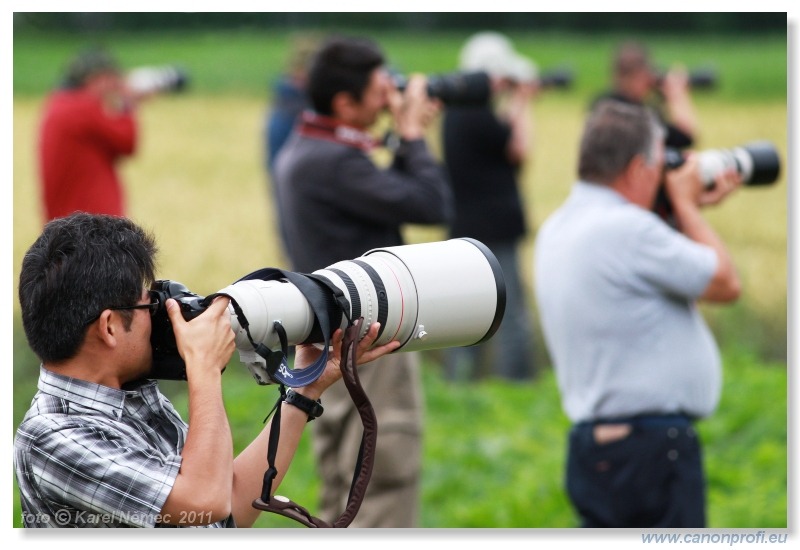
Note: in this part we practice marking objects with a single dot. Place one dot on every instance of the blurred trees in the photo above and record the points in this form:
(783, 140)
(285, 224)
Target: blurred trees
(585, 22)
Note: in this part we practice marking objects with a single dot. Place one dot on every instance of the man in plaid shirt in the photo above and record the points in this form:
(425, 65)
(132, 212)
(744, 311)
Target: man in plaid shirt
(100, 445)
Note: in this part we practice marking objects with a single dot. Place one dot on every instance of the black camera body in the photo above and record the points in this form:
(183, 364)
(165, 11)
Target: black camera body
(560, 78)
(474, 88)
(167, 362)
(698, 79)
(456, 89)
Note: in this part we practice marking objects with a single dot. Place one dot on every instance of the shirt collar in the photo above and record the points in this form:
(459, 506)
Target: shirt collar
(109, 401)
(597, 192)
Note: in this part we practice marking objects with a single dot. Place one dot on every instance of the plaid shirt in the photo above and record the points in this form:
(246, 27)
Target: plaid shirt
(88, 455)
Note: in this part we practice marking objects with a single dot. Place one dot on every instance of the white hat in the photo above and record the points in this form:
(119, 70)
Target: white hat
(494, 53)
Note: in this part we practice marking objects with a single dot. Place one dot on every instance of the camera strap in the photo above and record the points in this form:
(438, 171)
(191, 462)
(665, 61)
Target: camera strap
(318, 126)
(366, 454)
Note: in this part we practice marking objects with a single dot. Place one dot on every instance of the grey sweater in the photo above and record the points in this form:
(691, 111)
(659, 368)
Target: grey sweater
(335, 203)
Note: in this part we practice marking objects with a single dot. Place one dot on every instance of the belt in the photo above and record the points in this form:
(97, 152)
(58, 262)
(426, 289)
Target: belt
(608, 430)
(676, 419)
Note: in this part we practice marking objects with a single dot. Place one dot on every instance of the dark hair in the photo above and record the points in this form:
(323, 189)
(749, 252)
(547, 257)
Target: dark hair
(629, 58)
(79, 266)
(86, 64)
(613, 135)
(341, 65)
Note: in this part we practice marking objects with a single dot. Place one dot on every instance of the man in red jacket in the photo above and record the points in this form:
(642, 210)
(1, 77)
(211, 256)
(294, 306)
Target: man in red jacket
(88, 126)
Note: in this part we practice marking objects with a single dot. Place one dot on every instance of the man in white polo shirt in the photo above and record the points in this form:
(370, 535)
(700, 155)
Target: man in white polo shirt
(617, 289)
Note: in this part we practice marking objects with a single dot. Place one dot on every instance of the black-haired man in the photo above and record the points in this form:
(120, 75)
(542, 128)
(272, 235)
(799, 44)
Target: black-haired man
(100, 445)
(335, 204)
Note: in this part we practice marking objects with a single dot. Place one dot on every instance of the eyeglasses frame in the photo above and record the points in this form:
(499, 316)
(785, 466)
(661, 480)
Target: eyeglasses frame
(152, 306)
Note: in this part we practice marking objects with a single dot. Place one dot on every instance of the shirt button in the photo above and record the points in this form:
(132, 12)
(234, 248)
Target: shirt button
(672, 454)
(672, 433)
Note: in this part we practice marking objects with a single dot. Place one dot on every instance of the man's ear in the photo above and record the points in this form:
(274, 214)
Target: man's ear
(633, 185)
(635, 169)
(343, 105)
(107, 327)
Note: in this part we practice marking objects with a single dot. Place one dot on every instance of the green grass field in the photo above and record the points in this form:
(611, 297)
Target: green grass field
(493, 451)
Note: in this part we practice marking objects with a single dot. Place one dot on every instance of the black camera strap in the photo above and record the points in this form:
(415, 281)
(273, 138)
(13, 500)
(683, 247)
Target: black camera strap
(319, 299)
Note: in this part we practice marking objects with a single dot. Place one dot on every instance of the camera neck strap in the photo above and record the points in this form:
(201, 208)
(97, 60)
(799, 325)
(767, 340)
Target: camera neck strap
(318, 126)
(366, 454)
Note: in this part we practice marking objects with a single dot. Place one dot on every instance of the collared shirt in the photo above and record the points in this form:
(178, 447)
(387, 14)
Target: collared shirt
(616, 288)
(88, 455)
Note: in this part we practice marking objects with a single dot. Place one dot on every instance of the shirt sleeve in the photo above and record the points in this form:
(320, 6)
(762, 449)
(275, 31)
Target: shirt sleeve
(100, 472)
(670, 261)
(412, 190)
(116, 132)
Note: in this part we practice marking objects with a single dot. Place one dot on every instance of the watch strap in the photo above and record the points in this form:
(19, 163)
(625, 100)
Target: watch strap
(312, 408)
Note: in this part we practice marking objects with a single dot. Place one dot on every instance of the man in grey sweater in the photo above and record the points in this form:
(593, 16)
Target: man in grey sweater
(335, 204)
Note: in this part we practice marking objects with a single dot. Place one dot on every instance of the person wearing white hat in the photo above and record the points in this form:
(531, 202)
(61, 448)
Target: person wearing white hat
(484, 149)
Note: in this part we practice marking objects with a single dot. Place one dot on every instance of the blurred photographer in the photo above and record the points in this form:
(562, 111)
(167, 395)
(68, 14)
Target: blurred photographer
(635, 80)
(485, 148)
(100, 445)
(88, 126)
(335, 203)
(617, 291)
(290, 98)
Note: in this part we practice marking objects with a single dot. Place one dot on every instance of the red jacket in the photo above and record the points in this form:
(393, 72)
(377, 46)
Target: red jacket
(79, 145)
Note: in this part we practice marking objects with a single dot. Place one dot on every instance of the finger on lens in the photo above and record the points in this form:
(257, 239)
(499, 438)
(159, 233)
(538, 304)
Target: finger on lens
(220, 302)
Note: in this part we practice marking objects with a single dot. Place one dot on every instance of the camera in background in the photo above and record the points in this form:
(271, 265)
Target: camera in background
(560, 78)
(466, 88)
(157, 79)
(757, 162)
(699, 79)
(459, 88)
(486, 59)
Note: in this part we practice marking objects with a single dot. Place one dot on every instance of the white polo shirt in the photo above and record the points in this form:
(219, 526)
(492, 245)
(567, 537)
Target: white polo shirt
(616, 290)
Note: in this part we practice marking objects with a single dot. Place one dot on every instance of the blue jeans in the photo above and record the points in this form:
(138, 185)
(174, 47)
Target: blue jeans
(653, 477)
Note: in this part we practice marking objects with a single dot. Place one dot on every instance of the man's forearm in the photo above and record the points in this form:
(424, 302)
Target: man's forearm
(250, 465)
(205, 479)
(725, 285)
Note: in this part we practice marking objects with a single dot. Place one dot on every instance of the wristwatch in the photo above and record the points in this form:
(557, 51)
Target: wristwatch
(312, 408)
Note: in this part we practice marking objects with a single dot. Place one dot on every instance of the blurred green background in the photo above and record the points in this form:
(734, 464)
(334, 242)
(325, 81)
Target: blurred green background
(493, 453)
